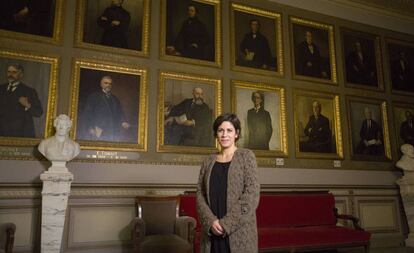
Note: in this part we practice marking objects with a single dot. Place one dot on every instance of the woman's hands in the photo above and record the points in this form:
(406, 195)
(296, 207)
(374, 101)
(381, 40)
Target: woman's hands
(216, 228)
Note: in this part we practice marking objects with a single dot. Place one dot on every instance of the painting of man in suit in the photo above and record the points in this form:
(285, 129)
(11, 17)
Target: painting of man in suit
(190, 30)
(107, 106)
(371, 142)
(402, 69)
(28, 16)
(259, 123)
(114, 23)
(360, 61)
(407, 128)
(318, 130)
(19, 104)
(189, 122)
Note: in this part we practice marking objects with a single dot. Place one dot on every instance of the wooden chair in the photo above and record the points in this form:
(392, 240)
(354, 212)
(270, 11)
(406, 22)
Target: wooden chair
(7, 231)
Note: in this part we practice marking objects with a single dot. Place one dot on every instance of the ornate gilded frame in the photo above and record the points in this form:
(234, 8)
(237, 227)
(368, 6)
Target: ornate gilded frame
(204, 80)
(79, 33)
(378, 58)
(282, 131)
(331, 42)
(397, 107)
(141, 143)
(277, 17)
(57, 29)
(388, 64)
(336, 123)
(51, 96)
(382, 105)
(217, 43)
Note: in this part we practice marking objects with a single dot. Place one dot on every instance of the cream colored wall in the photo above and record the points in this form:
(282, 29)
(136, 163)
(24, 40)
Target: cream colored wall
(107, 189)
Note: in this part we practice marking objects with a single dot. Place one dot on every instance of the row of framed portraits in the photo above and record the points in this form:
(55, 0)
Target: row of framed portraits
(109, 107)
(191, 33)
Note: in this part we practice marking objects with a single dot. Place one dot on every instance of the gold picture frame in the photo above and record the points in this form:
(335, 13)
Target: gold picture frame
(394, 47)
(269, 139)
(370, 46)
(404, 131)
(326, 141)
(272, 33)
(88, 92)
(42, 72)
(177, 94)
(212, 53)
(136, 44)
(368, 141)
(314, 69)
(55, 38)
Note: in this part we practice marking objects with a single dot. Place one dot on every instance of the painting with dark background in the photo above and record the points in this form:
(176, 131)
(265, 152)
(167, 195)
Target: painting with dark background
(404, 124)
(320, 60)
(182, 31)
(28, 16)
(126, 87)
(128, 36)
(401, 62)
(264, 54)
(37, 76)
(360, 60)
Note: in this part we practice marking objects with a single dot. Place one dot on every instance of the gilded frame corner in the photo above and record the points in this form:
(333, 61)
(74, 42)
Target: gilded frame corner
(56, 39)
(383, 108)
(339, 154)
(79, 32)
(331, 42)
(206, 80)
(277, 17)
(51, 95)
(278, 90)
(218, 56)
(378, 58)
(142, 120)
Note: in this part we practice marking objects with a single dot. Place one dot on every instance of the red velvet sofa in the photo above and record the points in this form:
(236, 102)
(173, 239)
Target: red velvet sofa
(295, 221)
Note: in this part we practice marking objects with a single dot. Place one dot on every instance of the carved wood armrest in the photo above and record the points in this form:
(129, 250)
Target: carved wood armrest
(355, 220)
(185, 228)
(137, 232)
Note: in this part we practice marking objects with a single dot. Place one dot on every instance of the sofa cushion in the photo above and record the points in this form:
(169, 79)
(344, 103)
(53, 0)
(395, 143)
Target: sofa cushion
(321, 236)
(295, 209)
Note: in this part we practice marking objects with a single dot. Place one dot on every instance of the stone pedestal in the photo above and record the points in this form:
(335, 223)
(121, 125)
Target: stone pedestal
(406, 184)
(55, 193)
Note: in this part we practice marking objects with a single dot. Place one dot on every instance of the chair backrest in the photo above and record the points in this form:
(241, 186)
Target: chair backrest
(7, 231)
(292, 209)
(159, 213)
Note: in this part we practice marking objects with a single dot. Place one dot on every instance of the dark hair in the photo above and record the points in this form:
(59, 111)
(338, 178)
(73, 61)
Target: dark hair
(254, 20)
(17, 66)
(230, 117)
(261, 94)
(192, 5)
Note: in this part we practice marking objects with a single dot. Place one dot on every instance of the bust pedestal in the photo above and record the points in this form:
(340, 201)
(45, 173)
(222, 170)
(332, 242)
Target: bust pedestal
(55, 193)
(406, 184)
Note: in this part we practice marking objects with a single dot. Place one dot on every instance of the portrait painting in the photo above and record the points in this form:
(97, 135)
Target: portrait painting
(109, 106)
(362, 60)
(27, 97)
(313, 51)
(109, 24)
(401, 65)
(256, 40)
(38, 20)
(262, 113)
(191, 31)
(187, 107)
(317, 125)
(403, 124)
(368, 128)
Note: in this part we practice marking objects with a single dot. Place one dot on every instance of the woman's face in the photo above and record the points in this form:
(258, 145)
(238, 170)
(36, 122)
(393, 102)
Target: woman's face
(226, 134)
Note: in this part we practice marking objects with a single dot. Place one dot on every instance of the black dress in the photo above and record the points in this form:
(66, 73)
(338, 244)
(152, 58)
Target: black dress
(218, 203)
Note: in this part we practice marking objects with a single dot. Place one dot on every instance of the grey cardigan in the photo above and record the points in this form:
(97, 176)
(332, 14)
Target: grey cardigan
(243, 191)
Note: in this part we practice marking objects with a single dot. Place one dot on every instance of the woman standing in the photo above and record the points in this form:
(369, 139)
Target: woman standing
(228, 193)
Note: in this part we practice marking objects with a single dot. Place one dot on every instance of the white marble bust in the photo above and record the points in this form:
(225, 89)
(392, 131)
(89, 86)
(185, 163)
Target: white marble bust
(407, 160)
(60, 148)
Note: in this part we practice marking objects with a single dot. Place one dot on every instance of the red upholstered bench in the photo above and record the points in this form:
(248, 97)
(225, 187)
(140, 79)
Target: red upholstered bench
(296, 221)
